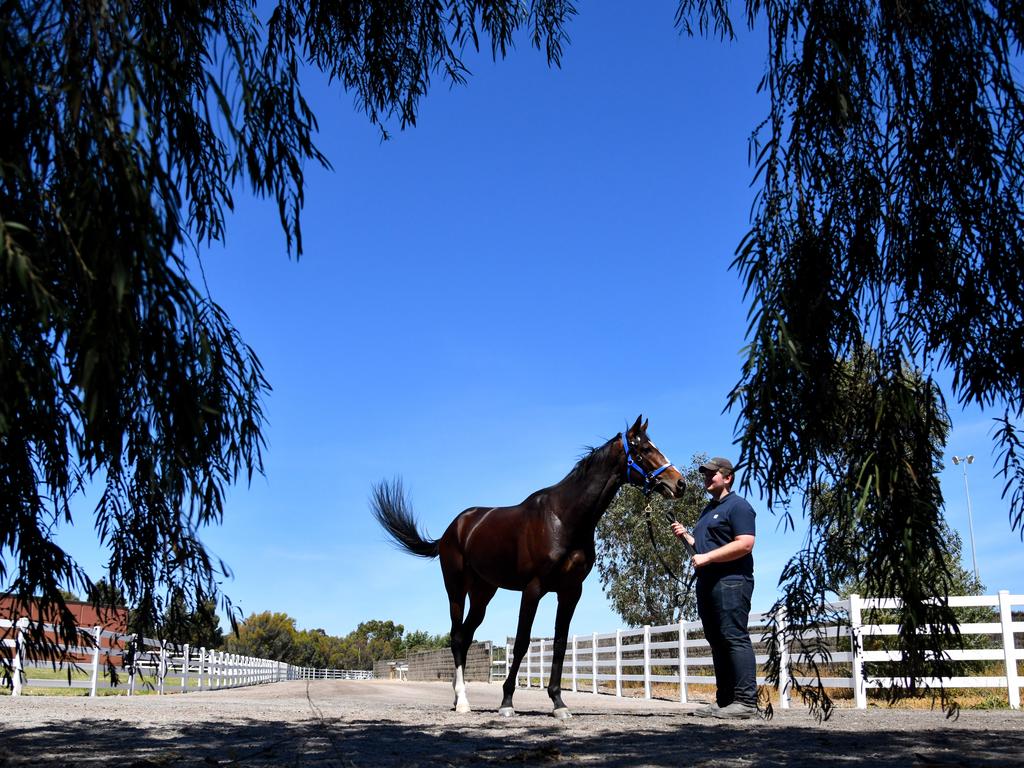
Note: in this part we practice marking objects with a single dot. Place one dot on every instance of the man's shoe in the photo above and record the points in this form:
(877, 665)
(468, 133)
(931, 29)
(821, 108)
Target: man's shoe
(708, 710)
(736, 711)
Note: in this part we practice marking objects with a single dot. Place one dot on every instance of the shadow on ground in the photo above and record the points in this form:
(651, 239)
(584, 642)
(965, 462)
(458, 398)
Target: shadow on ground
(669, 739)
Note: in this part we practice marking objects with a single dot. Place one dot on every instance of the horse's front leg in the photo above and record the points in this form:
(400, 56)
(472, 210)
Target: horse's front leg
(527, 612)
(567, 600)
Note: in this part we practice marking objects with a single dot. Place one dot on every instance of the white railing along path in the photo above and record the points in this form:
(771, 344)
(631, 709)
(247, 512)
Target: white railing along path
(643, 655)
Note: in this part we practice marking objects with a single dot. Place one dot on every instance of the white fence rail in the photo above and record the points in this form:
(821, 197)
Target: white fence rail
(143, 662)
(678, 653)
(309, 673)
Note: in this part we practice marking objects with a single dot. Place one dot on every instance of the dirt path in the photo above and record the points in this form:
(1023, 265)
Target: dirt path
(359, 724)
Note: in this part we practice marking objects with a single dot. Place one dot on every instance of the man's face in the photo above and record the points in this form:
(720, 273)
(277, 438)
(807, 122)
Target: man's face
(714, 482)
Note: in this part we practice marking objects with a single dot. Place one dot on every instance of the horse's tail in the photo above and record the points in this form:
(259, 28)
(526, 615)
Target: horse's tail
(393, 513)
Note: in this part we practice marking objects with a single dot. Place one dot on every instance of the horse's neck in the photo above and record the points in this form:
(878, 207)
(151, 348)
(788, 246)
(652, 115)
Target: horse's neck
(587, 494)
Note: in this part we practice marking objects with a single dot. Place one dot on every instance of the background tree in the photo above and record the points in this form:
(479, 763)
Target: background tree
(104, 595)
(128, 128)
(315, 648)
(632, 558)
(879, 528)
(420, 640)
(374, 640)
(274, 636)
(198, 626)
(265, 635)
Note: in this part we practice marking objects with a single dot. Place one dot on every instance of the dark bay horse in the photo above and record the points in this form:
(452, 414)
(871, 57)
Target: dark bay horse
(543, 544)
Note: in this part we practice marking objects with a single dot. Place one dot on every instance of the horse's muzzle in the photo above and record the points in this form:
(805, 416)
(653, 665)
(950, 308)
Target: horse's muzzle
(671, 487)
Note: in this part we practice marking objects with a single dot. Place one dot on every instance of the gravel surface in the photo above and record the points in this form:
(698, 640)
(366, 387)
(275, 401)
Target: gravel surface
(357, 724)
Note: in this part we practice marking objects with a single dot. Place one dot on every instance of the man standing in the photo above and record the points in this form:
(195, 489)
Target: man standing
(723, 539)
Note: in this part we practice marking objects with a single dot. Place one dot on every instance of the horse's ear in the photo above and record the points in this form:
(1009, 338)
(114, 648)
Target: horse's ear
(644, 427)
(636, 424)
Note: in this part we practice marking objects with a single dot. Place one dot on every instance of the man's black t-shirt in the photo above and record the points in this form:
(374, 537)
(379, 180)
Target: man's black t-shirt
(719, 523)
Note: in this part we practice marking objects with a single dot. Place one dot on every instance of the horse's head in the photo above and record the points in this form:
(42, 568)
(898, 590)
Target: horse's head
(646, 466)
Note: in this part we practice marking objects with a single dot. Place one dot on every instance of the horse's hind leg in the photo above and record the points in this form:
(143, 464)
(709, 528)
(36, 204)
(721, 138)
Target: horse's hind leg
(480, 595)
(455, 586)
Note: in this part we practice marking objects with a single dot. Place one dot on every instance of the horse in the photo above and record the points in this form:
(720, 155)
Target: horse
(543, 544)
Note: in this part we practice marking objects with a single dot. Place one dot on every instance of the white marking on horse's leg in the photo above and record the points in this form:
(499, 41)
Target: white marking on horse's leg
(459, 684)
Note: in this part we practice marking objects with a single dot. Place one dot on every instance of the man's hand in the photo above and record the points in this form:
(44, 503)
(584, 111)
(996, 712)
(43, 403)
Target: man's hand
(680, 531)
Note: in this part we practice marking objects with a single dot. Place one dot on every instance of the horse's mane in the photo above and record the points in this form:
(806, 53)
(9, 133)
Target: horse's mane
(589, 457)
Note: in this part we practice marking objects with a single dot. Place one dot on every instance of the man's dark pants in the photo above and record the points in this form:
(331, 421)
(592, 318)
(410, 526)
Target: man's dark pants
(724, 609)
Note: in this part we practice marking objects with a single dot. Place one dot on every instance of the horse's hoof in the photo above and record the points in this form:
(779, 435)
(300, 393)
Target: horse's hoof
(562, 713)
(463, 707)
(506, 711)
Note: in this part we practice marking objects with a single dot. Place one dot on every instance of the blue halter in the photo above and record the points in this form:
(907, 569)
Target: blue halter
(633, 466)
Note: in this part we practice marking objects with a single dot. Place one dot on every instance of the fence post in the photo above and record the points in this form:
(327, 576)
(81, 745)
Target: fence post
(574, 673)
(96, 636)
(162, 670)
(1009, 652)
(681, 656)
(540, 663)
(19, 655)
(784, 660)
(647, 661)
(529, 661)
(186, 661)
(133, 643)
(618, 662)
(202, 665)
(860, 693)
(593, 657)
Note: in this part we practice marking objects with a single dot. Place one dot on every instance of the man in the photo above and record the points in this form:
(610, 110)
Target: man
(723, 539)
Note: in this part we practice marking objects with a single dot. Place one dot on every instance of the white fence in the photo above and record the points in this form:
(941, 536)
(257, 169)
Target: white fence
(309, 673)
(649, 654)
(152, 664)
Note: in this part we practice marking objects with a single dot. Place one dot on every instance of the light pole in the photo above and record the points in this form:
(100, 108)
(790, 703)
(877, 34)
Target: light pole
(965, 460)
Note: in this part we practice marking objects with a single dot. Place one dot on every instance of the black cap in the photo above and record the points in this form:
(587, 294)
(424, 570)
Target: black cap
(717, 464)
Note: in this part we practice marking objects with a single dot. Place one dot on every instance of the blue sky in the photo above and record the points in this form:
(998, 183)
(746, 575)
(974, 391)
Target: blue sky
(542, 258)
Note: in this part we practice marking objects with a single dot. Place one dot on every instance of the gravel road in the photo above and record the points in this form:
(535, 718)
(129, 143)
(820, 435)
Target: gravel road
(358, 724)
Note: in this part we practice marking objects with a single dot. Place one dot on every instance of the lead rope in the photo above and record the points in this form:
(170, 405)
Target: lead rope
(654, 546)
